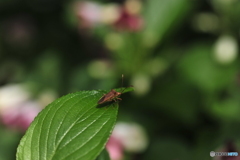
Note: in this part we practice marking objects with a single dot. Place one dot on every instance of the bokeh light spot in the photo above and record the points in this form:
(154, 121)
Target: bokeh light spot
(225, 49)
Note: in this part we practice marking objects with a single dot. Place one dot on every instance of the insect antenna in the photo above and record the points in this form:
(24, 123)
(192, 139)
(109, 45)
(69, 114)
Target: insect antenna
(122, 84)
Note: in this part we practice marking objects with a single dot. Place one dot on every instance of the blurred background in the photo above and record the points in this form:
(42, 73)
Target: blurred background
(180, 55)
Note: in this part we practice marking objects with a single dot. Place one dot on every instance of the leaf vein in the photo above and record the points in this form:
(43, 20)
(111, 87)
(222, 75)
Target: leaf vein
(89, 137)
(52, 107)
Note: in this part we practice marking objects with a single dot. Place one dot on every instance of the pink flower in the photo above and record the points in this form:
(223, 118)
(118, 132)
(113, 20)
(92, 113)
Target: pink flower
(129, 22)
(20, 117)
(115, 148)
(17, 110)
(125, 17)
(89, 13)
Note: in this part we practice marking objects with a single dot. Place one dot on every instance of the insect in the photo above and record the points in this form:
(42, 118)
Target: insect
(111, 96)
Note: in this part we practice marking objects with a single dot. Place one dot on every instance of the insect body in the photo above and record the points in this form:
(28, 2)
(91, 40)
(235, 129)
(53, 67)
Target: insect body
(110, 96)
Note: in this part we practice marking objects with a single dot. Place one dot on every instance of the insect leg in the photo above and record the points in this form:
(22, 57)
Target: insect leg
(119, 98)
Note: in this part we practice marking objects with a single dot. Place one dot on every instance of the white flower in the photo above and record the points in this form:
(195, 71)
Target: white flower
(12, 95)
(131, 135)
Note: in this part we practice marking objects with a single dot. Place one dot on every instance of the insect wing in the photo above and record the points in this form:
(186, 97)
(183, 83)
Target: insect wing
(102, 100)
(109, 96)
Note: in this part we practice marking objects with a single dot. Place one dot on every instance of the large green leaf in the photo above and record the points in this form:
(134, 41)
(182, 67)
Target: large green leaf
(71, 127)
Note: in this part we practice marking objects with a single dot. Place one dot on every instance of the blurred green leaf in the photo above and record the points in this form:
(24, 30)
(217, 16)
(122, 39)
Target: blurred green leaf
(160, 16)
(45, 71)
(69, 17)
(198, 67)
(104, 155)
(71, 127)
(227, 109)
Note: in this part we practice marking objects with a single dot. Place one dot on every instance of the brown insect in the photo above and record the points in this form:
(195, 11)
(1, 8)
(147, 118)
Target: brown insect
(111, 96)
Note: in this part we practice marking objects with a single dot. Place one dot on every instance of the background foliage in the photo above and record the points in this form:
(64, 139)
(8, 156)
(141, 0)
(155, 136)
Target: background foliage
(183, 62)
